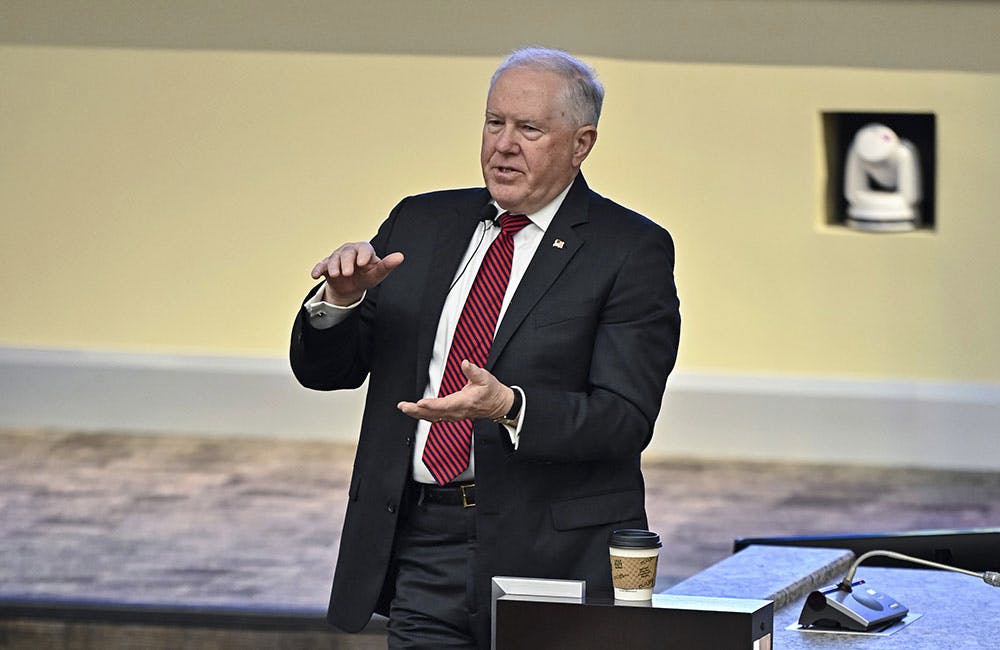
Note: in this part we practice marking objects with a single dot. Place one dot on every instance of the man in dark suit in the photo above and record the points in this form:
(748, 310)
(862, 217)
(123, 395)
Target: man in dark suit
(560, 404)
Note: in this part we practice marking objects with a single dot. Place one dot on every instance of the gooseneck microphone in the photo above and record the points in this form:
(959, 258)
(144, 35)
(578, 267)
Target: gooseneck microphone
(857, 607)
(991, 578)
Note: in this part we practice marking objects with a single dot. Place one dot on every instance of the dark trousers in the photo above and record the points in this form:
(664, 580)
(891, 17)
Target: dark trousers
(435, 603)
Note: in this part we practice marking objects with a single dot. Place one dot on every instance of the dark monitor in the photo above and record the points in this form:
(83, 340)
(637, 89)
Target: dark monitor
(973, 549)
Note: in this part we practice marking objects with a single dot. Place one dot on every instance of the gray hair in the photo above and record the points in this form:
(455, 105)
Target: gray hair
(584, 94)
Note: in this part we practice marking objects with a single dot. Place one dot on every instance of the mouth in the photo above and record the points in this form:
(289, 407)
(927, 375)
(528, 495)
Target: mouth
(505, 172)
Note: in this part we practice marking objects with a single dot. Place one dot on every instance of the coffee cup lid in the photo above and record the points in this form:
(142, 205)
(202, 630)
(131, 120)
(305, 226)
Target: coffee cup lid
(634, 538)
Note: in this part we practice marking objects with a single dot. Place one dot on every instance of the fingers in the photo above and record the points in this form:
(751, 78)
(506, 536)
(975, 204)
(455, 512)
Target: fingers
(356, 257)
(351, 270)
(482, 397)
(377, 270)
(478, 375)
(345, 260)
(391, 261)
(434, 409)
(493, 398)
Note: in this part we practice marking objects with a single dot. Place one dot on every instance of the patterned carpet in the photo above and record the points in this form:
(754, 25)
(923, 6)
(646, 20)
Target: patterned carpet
(222, 521)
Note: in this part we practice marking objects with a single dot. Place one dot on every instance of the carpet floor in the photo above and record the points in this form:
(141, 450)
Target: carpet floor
(244, 521)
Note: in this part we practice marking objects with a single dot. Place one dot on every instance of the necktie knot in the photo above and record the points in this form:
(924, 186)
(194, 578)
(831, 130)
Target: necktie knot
(511, 224)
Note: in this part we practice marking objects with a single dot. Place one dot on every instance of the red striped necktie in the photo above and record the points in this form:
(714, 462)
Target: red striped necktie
(446, 453)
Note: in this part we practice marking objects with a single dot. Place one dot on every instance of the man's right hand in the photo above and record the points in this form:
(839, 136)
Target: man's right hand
(351, 270)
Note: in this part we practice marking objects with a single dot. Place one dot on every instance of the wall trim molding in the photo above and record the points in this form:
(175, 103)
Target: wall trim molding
(745, 416)
(819, 33)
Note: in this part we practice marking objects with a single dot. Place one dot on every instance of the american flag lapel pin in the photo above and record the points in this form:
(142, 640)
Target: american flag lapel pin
(558, 243)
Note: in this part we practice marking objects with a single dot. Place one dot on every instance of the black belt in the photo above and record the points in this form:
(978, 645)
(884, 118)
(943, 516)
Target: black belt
(453, 494)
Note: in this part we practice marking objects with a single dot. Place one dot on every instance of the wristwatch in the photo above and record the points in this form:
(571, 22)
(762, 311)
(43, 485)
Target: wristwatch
(510, 420)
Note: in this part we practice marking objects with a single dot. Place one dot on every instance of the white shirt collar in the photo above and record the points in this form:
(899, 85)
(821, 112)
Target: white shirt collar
(547, 212)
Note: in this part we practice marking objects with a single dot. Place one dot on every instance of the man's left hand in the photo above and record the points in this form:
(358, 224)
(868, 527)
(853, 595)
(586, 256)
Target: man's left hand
(483, 396)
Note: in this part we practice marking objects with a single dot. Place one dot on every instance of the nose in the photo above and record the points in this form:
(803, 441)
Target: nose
(507, 140)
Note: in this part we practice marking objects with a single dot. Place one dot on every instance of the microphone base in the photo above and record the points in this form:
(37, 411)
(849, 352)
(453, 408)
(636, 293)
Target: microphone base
(862, 609)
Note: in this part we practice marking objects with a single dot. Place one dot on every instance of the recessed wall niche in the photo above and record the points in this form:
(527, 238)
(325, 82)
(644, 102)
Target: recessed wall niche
(885, 163)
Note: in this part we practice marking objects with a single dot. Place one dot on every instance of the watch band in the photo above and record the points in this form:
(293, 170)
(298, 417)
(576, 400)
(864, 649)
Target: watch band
(510, 419)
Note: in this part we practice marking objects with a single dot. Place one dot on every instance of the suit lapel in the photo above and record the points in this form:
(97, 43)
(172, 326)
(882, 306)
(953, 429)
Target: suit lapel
(549, 260)
(454, 229)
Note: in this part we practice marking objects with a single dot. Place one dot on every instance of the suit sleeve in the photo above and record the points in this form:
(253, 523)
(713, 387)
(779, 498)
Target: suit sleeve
(341, 356)
(637, 329)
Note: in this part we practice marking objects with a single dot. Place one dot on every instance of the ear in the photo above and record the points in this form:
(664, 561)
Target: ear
(583, 141)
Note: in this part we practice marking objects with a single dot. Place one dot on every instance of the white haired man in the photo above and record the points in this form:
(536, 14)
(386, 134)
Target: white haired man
(517, 340)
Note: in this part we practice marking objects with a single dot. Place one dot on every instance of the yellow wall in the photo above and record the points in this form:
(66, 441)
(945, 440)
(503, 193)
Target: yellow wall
(175, 200)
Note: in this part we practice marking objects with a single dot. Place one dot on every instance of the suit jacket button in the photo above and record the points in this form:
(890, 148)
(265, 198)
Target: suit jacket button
(391, 507)
(408, 441)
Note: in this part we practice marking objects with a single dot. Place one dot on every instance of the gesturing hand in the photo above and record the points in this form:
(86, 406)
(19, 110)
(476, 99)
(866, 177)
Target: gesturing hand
(351, 270)
(483, 396)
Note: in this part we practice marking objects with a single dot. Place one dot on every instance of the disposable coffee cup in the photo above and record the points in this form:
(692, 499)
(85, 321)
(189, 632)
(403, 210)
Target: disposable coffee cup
(634, 554)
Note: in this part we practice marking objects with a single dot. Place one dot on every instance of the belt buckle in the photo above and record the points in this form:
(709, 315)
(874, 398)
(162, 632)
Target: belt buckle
(465, 497)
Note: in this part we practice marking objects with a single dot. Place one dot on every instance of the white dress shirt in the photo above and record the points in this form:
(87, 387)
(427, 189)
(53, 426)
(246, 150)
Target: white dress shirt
(323, 315)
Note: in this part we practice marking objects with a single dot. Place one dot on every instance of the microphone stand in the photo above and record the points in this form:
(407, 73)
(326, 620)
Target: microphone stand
(989, 577)
(842, 607)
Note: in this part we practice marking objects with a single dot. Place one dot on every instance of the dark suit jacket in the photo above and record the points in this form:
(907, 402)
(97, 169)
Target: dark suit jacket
(590, 335)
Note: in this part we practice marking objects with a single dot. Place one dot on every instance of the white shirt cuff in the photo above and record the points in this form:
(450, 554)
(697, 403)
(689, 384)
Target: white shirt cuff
(323, 315)
(515, 432)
